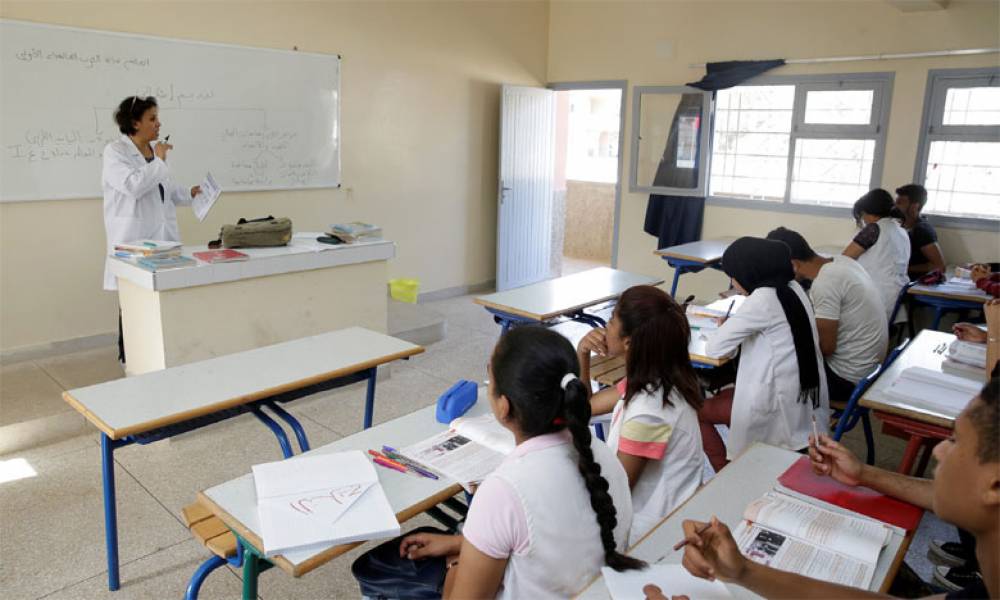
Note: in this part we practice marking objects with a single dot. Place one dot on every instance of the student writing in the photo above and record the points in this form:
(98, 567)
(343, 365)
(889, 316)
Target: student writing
(780, 383)
(654, 427)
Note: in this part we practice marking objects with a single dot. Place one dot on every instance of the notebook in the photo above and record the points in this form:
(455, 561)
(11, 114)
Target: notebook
(673, 580)
(320, 500)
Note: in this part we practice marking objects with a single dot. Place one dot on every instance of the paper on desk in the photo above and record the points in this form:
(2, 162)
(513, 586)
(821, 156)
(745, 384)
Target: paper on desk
(673, 580)
(203, 202)
(940, 391)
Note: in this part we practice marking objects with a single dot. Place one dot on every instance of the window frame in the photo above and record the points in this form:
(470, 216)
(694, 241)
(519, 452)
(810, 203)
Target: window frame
(707, 110)
(933, 129)
(880, 82)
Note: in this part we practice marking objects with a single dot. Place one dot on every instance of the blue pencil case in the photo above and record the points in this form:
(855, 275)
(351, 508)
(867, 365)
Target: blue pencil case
(456, 401)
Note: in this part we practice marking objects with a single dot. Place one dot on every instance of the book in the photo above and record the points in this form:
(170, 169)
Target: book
(708, 316)
(487, 431)
(163, 263)
(933, 389)
(865, 501)
(314, 501)
(961, 369)
(673, 580)
(792, 535)
(147, 247)
(356, 231)
(220, 256)
(456, 456)
(970, 353)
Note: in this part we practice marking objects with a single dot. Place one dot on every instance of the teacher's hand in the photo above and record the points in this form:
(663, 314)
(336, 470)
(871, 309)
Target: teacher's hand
(195, 190)
(161, 150)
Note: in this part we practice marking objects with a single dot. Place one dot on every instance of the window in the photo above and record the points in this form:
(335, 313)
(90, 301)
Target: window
(668, 138)
(958, 157)
(800, 140)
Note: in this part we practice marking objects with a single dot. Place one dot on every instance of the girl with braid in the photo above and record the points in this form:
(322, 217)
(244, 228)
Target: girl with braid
(558, 508)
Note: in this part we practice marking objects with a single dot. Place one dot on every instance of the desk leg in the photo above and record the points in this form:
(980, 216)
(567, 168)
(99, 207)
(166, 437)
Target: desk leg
(938, 313)
(287, 417)
(286, 446)
(110, 510)
(910, 454)
(251, 571)
(370, 396)
(677, 277)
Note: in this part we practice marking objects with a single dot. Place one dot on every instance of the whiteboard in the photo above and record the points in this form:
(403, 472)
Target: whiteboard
(258, 119)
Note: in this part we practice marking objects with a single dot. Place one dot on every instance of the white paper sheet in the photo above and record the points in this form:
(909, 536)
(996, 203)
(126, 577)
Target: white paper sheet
(673, 580)
(204, 201)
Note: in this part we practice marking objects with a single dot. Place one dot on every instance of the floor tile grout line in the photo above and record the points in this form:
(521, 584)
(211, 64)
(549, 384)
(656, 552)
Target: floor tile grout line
(49, 375)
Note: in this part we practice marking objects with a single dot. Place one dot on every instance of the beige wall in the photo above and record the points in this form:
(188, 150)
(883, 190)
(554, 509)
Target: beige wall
(653, 43)
(420, 85)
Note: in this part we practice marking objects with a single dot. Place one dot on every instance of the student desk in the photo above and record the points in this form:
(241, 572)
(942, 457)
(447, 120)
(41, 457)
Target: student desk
(943, 299)
(920, 425)
(694, 257)
(235, 502)
(563, 296)
(161, 404)
(750, 476)
(178, 316)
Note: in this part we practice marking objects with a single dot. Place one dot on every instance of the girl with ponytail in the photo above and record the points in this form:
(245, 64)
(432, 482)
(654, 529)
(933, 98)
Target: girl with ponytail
(654, 424)
(882, 246)
(558, 508)
(780, 382)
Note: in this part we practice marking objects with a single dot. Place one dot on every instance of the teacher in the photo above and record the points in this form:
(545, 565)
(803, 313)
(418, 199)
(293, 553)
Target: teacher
(139, 197)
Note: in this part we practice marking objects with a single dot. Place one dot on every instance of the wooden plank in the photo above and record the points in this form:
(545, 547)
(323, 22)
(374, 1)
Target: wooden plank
(613, 376)
(208, 529)
(194, 513)
(223, 545)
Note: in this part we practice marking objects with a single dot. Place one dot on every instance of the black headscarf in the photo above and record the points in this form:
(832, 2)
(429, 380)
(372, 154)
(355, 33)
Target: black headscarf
(756, 263)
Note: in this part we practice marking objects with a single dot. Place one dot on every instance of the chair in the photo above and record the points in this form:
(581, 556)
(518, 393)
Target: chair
(900, 300)
(848, 417)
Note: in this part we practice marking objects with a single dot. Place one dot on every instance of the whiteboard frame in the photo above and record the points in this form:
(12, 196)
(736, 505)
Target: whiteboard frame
(340, 133)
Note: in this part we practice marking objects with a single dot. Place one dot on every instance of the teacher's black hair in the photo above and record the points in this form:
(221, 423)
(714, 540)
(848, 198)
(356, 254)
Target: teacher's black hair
(528, 366)
(131, 110)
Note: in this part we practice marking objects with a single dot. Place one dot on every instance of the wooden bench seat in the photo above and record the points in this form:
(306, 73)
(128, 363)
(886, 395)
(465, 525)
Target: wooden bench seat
(209, 530)
(607, 370)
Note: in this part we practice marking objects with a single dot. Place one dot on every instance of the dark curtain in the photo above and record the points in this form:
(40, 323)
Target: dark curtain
(678, 219)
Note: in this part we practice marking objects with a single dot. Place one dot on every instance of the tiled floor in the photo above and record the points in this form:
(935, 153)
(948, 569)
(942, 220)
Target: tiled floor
(51, 527)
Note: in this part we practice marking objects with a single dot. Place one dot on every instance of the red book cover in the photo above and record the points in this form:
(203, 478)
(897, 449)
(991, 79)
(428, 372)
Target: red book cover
(218, 256)
(800, 478)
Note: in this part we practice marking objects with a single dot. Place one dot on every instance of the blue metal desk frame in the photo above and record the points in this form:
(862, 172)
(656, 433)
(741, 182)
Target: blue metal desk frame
(945, 305)
(507, 320)
(683, 265)
(108, 447)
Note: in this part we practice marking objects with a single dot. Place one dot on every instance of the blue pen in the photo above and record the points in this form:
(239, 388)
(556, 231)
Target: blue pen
(730, 308)
(396, 456)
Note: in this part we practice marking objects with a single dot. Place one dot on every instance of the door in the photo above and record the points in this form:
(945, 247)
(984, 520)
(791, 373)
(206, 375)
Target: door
(524, 204)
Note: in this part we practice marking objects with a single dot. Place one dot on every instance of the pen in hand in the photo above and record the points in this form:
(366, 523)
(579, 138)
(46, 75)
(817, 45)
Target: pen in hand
(687, 541)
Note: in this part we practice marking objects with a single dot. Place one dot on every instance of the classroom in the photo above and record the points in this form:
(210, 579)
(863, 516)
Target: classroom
(480, 235)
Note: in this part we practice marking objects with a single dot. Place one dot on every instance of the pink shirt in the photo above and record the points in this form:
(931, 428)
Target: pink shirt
(496, 524)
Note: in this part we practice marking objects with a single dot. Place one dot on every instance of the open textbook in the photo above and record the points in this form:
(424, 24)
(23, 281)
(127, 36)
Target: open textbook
(471, 449)
(933, 389)
(791, 535)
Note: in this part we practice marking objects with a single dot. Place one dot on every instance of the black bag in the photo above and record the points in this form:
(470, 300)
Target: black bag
(383, 575)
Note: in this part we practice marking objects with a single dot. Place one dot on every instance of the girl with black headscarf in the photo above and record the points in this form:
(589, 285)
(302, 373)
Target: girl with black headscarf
(780, 384)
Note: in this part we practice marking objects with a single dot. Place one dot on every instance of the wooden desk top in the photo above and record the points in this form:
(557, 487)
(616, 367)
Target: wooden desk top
(235, 502)
(702, 251)
(139, 404)
(564, 295)
(927, 350)
(751, 475)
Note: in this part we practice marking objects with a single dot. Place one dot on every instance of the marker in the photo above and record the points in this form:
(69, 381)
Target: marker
(379, 456)
(166, 139)
(385, 462)
(396, 456)
(816, 437)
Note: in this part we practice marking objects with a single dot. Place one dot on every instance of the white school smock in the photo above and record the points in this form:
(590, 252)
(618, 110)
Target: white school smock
(887, 261)
(562, 551)
(132, 206)
(669, 438)
(765, 403)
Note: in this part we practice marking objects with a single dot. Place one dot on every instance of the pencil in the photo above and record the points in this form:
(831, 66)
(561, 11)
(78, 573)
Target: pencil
(730, 308)
(685, 541)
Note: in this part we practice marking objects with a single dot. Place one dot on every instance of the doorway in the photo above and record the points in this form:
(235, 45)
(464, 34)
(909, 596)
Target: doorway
(586, 182)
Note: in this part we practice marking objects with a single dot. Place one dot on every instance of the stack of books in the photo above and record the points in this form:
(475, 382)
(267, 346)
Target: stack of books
(355, 232)
(154, 255)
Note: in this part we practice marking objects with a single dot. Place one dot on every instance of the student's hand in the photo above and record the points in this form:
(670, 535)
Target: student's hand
(833, 459)
(595, 342)
(161, 149)
(195, 190)
(979, 271)
(968, 332)
(653, 592)
(712, 554)
(426, 545)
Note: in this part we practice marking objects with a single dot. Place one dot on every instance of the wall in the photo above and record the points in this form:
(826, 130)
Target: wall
(420, 85)
(653, 43)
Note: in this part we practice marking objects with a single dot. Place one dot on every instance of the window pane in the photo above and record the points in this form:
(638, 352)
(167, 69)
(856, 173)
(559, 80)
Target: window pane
(972, 106)
(831, 172)
(669, 132)
(751, 139)
(963, 179)
(840, 107)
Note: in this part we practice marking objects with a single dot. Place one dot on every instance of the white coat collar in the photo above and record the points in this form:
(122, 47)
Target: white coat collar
(132, 149)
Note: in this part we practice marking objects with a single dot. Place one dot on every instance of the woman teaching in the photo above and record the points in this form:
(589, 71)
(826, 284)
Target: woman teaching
(139, 197)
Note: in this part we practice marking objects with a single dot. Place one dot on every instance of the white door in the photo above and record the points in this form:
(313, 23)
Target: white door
(524, 211)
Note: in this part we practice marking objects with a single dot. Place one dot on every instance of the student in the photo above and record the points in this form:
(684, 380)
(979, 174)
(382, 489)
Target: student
(925, 252)
(853, 335)
(882, 246)
(558, 508)
(965, 491)
(780, 383)
(654, 427)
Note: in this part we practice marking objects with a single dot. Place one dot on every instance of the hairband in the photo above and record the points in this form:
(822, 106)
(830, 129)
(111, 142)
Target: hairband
(568, 377)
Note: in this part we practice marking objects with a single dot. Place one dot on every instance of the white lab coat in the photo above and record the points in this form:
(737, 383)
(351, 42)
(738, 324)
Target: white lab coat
(765, 404)
(132, 206)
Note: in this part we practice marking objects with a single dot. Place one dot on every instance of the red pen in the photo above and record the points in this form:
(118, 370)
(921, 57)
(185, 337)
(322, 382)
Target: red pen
(385, 461)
